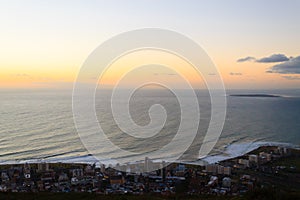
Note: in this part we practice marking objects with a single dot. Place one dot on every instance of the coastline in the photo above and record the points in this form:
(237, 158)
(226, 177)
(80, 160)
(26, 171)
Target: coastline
(267, 165)
(239, 149)
(231, 151)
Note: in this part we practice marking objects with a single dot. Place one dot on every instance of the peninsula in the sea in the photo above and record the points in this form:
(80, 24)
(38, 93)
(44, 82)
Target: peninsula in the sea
(254, 95)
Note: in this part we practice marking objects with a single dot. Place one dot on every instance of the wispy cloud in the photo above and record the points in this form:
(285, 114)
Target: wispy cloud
(235, 74)
(246, 59)
(22, 75)
(165, 74)
(291, 77)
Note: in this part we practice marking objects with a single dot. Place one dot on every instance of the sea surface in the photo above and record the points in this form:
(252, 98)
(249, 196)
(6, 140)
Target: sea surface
(38, 125)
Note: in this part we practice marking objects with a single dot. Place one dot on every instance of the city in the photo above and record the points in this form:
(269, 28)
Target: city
(233, 177)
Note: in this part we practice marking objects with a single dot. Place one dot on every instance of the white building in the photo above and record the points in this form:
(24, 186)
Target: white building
(244, 162)
(253, 158)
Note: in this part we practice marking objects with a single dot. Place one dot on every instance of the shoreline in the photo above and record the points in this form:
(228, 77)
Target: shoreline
(236, 150)
(266, 165)
(231, 151)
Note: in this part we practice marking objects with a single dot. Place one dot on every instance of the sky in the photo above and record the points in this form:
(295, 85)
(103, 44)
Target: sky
(254, 44)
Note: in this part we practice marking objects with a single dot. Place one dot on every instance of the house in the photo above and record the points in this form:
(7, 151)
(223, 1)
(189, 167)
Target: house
(43, 167)
(227, 170)
(63, 177)
(213, 181)
(212, 168)
(4, 177)
(89, 170)
(253, 158)
(244, 163)
(117, 180)
(77, 173)
(226, 182)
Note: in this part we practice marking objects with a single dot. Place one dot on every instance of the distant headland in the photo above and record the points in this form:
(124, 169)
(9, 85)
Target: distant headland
(254, 95)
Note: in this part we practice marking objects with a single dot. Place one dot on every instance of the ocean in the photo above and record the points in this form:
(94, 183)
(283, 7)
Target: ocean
(38, 126)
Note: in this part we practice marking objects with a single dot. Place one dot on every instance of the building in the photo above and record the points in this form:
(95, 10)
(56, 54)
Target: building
(77, 173)
(63, 177)
(4, 177)
(180, 170)
(27, 171)
(117, 180)
(220, 169)
(211, 168)
(226, 182)
(42, 167)
(102, 168)
(282, 151)
(253, 158)
(89, 170)
(213, 181)
(265, 157)
(227, 171)
(243, 162)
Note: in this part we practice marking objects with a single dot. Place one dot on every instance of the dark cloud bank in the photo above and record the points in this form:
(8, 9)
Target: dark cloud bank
(273, 58)
(291, 66)
(286, 65)
(270, 59)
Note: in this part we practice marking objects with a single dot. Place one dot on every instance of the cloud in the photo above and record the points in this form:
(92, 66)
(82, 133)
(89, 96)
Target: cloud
(273, 58)
(54, 84)
(235, 74)
(22, 75)
(270, 59)
(291, 77)
(249, 58)
(287, 65)
(291, 66)
(165, 74)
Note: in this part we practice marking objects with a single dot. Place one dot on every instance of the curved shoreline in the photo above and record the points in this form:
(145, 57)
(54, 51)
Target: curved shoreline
(231, 151)
(239, 149)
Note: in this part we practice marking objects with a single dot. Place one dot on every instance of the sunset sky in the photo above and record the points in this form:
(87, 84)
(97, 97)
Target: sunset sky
(255, 44)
